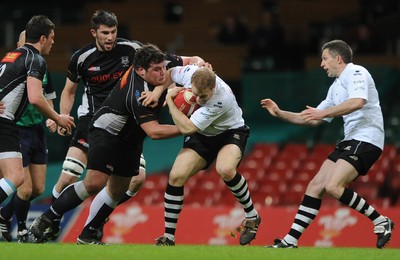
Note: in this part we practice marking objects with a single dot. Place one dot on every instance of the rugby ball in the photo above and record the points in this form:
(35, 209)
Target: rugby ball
(186, 102)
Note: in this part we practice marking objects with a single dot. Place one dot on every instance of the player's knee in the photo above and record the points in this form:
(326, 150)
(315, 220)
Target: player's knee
(73, 167)
(333, 189)
(24, 192)
(137, 182)
(37, 191)
(226, 172)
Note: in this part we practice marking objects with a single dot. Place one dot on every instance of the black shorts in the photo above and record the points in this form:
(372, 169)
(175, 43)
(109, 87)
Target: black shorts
(33, 145)
(209, 146)
(360, 154)
(9, 136)
(111, 155)
(80, 138)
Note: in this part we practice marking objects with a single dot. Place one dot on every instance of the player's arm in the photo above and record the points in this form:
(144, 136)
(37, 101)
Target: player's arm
(196, 60)
(157, 131)
(185, 126)
(345, 108)
(291, 117)
(36, 98)
(68, 96)
(67, 101)
(51, 124)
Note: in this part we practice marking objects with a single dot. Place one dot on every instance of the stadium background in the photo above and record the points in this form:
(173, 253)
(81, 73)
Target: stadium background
(187, 28)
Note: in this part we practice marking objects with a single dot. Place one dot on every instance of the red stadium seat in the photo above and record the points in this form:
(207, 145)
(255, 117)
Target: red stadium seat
(322, 149)
(294, 151)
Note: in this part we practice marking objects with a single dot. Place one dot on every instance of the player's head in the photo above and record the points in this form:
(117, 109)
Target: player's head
(339, 47)
(101, 17)
(203, 84)
(21, 39)
(40, 29)
(104, 29)
(149, 63)
(335, 56)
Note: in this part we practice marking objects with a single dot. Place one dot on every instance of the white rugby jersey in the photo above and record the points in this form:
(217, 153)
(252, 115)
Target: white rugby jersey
(220, 113)
(365, 124)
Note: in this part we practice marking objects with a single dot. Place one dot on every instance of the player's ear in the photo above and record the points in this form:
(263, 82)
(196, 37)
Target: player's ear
(93, 32)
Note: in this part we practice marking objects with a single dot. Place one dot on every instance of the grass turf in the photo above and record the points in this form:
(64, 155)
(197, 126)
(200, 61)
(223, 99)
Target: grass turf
(180, 252)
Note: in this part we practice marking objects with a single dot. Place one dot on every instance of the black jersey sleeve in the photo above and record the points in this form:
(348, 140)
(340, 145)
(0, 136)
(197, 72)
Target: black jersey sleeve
(173, 60)
(37, 67)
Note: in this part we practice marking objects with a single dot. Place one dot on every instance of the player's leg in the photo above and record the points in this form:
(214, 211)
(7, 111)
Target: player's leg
(73, 166)
(135, 185)
(308, 209)
(366, 155)
(102, 206)
(35, 178)
(76, 159)
(227, 161)
(19, 204)
(186, 164)
(70, 198)
(33, 187)
(24, 191)
(12, 177)
(109, 156)
(11, 169)
(136, 182)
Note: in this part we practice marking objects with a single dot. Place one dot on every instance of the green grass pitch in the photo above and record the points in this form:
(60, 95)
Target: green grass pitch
(61, 251)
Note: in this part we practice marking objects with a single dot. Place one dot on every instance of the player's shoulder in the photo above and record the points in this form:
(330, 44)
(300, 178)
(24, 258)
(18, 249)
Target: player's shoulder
(85, 50)
(125, 42)
(356, 69)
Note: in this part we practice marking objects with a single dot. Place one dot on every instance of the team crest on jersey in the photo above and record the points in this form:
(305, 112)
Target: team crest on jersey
(11, 57)
(124, 78)
(125, 61)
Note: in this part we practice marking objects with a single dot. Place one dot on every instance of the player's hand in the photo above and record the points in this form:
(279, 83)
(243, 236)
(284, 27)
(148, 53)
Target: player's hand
(172, 92)
(62, 131)
(148, 99)
(66, 122)
(2, 108)
(51, 125)
(270, 106)
(311, 113)
(208, 65)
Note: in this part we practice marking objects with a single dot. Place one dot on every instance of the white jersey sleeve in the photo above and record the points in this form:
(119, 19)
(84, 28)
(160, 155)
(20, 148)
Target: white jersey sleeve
(183, 75)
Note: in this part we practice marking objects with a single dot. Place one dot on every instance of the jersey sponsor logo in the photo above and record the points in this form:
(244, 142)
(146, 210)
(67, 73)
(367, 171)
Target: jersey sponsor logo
(103, 78)
(11, 57)
(124, 78)
(93, 68)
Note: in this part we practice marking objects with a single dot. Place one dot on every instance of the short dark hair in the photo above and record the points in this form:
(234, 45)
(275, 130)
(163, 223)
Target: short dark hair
(101, 17)
(339, 47)
(148, 54)
(38, 26)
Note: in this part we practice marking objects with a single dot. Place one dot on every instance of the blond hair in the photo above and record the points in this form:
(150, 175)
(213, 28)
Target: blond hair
(203, 78)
